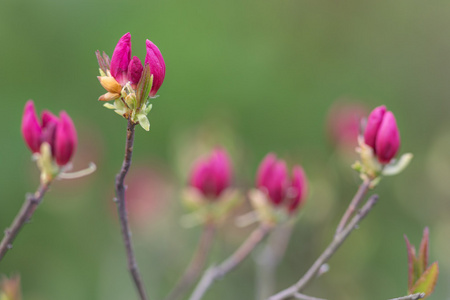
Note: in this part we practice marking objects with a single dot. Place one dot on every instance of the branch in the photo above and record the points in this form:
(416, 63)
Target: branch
(122, 211)
(197, 263)
(24, 215)
(362, 190)
(217, 272)
(328, 253)
(305, 297)
(411, 297)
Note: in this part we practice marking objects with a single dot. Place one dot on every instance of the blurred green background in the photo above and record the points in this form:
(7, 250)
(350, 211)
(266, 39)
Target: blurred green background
(255, 76)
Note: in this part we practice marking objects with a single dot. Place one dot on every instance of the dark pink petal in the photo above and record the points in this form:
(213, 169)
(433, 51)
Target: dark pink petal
(135, 69)
(388, 139)
(121, 59)
(373, 125)
(220, 171)
(157, 66)
(299, 186)
(423, 250)
(31, 130)
(278, 183)
(65, 140)
(265, 169)
(47, 117)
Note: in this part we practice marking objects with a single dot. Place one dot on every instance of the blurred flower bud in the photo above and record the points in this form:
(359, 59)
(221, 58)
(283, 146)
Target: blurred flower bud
(135, 69)
(10, 288)
(157, 66)
(65, 140)
(31, 130)
(53, 140)
(298, 190)
(121, 59)
(272, 179)
(382, 134)
(212, 176)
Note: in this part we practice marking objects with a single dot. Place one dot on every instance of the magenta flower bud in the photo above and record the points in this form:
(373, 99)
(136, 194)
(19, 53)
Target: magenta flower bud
(212, 176)
(299, 189)
(49, 124)
(31, 129)
(373, 124)
(135, 69)
(272, 178)
(388, 139)
(157, 66)
(121, 59)
(65, 140)
(382, 134)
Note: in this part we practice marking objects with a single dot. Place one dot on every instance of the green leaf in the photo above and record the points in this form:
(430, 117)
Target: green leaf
(144, 86)
(427, 281)
(143, 121)
(109, 106)
(423, 250)
(397, 167)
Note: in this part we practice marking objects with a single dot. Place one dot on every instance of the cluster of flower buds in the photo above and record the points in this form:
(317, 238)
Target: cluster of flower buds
(128, 82)
(52, 140)
(209, 194)
(379, 145)
(278, 196)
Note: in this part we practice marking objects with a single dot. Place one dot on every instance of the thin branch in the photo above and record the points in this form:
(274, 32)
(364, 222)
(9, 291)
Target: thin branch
(411, 297)
(197, 263)
(328, 253)
(362, 190)
(217, 272)
(270, 257)
(26, 212)
(122, 211)
(305, 297)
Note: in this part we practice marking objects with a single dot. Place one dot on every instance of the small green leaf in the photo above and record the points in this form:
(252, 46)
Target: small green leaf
(109, 106)
(119, 104)
(148, 108)
(143, 121)
(427, 282)
(397, 167)
(412, 262)
(144, 86)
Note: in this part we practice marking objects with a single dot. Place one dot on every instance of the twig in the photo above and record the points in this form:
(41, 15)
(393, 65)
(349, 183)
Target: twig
(362, 190)
(328, 253)
(122, 211)
(26, 212)
(305, 297)
(217, 272)
(197, 263)
(269, 258)
(411, 297)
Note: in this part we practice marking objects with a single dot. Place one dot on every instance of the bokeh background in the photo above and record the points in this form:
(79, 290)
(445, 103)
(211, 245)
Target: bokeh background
(253, 76)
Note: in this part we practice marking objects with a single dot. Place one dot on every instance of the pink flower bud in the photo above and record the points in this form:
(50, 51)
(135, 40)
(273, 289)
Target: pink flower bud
(49, 124)
(388, 139)
(65, 140)
(157, 66)
(135, 70)
(272, 178)
(299, 189)
(373, 124)
(31, 130)
(212, 176)
(121, 59)
(382, 134)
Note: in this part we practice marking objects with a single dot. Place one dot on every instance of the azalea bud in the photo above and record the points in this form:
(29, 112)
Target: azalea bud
(272, 178)
(65, 140)
(31, 130)
(382, 134)
(157, 66)
(135, 69)
(212, 176)
(299, 189)
(121, 59)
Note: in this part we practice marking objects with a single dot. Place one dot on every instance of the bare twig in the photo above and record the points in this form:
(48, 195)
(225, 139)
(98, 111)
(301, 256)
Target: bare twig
(197, 263)
(362, 190)
(122, 211)
(217, 272)
(269, 258)
(411, 297)
(26, 212)
(328, 253)
(305, 297)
